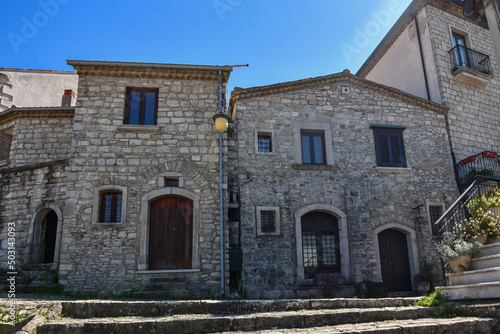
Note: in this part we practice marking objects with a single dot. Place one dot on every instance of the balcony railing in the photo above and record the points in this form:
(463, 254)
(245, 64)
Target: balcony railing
(486, 163)
(462, 56)
(457, 213)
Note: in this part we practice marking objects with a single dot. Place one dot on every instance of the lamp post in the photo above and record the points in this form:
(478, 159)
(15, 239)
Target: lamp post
(221, 124)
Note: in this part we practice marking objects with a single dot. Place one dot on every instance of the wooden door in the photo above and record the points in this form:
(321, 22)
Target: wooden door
(170, 233)
(394, 260)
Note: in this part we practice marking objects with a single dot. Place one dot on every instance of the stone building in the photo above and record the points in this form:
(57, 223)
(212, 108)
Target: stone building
(332, 174)
(447, 51)
(89, 187)
(39, 88)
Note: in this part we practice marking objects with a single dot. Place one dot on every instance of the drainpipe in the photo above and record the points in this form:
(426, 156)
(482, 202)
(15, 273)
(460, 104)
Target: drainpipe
(221, 199)
(422, 59)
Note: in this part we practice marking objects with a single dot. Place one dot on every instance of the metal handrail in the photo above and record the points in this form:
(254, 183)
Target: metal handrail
(458, 210)
(462, 56)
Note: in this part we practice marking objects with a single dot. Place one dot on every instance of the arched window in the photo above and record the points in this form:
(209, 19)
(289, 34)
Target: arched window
(320, 243)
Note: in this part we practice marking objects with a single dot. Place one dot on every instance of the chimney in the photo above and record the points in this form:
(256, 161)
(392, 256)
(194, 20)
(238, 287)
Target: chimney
(68, 98)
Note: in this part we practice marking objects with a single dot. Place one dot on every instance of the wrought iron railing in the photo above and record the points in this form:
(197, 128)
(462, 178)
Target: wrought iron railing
(486, 163)
(457, 213)
(462, 56)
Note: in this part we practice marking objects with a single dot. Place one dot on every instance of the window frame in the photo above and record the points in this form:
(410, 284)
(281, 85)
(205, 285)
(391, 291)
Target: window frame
(389, 131)
(277, 220)
(97, 208)
(142, 106)
(270, 133)
(312, 152)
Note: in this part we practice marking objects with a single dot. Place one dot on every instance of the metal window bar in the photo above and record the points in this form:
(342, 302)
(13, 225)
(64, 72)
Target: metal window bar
(462, 56)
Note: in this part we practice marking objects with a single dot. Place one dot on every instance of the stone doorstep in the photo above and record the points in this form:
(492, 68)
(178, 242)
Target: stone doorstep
(110, 308)
(474, 276)
(485, 262)
(491, 249)
(207, 323)
(474, 291)
(418, 326)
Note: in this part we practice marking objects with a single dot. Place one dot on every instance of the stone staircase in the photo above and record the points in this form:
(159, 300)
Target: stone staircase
(387, 315)
(171, 287)
(41, 275)
(482, 280)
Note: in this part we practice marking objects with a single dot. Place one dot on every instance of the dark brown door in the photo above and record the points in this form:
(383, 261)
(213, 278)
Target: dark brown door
(170, 233)
(394, 260)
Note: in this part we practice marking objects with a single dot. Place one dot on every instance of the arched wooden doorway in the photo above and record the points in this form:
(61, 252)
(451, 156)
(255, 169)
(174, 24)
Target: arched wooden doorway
(394, 260)
(170, 233)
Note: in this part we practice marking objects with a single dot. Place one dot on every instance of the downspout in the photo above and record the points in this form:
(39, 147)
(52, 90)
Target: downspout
(221, 203)
(422, 59)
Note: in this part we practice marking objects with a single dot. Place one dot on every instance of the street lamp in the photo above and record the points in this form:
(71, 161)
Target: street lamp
(221, 124)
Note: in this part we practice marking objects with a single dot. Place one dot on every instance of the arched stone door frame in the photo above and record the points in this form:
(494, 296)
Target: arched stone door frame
(37, 230)
(345, 262)
(144, 224)
(411, 242)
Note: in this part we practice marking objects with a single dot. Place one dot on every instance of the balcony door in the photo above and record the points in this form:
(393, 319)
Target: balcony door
(460, 50)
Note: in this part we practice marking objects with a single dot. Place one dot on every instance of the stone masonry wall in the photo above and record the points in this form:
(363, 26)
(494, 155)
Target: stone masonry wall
(474, 120)
(371, 198)
(27, 186)
(105, 258)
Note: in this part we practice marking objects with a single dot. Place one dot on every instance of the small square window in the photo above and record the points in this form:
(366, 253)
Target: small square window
(389, 146)
(141, 107)
(172, 182)
(265, 143)
(313, 147)
(268, 220)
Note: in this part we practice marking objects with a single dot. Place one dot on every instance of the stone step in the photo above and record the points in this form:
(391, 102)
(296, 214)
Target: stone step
(491, 249)
(209, 323)
(114, 308)
(165, 286)
(474, 276)
(413, 326)
(165, 295)
(485, 262)
(474, 291)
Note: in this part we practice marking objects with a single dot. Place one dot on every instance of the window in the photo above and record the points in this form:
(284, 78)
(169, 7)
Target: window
(460, 50)
(264, 142)
(389, 146)
(435, 212)
(172, 182)
(110, 210)
(313, 147)
(320, 243)
(268, 220)
(141, 106)
(5, 141)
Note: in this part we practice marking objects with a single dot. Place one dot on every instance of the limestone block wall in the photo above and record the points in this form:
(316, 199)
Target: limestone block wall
(474, 120)
(366, 199)
(107, 153)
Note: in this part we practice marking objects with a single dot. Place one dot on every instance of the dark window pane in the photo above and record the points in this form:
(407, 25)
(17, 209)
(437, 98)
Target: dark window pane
(309, 251)
(267, 222)
(306, 150)
(328, 245)
(149, 117)
(396, 153)
(171, 182)
(384, 149)
(318, 150)
(264, 142)
(111, 207)
(135, 103)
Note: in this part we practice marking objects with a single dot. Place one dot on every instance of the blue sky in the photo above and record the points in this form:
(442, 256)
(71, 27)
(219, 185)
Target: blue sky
(280, 40)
